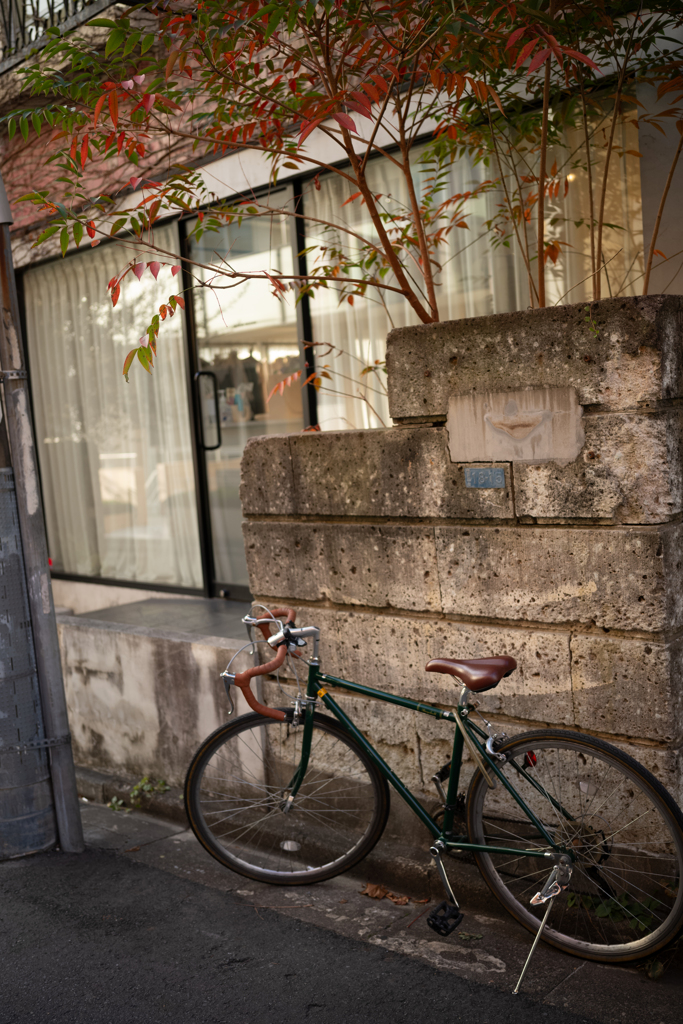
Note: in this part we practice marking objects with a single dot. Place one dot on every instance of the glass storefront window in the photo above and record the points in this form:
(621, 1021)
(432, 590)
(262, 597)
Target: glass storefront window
(247, 343)
(116, 459)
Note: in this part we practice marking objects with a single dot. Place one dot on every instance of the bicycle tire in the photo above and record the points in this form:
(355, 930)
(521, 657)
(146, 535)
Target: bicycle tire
(239, 777)
(624, 900)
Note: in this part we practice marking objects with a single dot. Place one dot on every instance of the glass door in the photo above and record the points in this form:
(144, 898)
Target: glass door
(247, 341)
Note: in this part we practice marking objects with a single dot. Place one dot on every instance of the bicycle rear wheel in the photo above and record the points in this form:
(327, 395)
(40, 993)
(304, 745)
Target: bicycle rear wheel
(624, 900)
(236, 791)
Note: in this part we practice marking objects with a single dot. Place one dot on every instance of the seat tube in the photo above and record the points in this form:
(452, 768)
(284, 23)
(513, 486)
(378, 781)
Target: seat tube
(453, 781)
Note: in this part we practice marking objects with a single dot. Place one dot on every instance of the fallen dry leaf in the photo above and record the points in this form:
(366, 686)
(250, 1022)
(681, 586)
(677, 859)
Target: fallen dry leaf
(421, 901)
(132, 849)
(343, 901)
(400, 901)
(374, 890)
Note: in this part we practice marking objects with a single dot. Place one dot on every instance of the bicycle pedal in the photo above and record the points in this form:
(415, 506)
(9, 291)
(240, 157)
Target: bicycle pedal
(445, 918)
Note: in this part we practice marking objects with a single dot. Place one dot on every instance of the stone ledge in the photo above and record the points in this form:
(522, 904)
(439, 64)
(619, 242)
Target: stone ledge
(623, 578)
(636, 357)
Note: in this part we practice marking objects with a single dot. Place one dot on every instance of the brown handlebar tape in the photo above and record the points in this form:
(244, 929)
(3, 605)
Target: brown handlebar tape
(243, 679)
(264, 624)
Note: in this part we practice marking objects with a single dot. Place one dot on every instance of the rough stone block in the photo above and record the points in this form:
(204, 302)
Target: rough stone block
(636, 356)
(623, 578)
(376, 473)
(628, 687)
(267, 481)
(382, 566)
(390, 652)
(391, 472)
(630, 470)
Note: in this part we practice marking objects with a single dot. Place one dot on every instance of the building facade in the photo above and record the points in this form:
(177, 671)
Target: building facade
(141, 480)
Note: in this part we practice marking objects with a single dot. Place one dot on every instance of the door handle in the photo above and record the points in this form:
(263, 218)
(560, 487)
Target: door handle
(202, 418)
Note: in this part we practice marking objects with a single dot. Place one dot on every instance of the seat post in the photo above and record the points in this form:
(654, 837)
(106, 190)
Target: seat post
(454, 777)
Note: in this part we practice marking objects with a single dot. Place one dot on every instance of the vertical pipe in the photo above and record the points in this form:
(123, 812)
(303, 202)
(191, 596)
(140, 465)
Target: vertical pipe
(34, 545)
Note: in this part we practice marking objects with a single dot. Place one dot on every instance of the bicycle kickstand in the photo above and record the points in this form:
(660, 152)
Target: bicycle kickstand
(559, 880)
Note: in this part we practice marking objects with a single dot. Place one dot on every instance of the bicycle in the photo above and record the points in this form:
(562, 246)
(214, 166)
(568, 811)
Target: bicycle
(576, 839)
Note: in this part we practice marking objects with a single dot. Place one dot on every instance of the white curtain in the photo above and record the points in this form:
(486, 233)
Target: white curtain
(116, 459)
(476, 278)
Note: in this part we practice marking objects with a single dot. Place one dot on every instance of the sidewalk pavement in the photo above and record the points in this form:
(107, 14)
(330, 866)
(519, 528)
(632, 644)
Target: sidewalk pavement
(146, 928)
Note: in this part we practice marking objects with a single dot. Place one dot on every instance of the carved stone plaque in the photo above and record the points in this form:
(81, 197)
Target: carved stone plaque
(515, 426)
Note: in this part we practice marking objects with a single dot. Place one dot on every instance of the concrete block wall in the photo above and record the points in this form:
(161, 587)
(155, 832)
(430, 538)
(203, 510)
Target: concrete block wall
(574, 568)
(141, 700)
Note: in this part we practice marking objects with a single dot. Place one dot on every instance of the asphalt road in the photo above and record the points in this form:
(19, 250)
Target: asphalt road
(104, 939)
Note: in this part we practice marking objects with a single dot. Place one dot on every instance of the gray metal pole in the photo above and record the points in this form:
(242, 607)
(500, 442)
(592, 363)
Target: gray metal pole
(34, 542)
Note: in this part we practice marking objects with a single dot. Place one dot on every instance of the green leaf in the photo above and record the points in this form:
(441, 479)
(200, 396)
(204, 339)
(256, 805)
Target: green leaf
(64, 240)
(47, 233)
(23, 128)
(117, 225)
(37, 123)
(115, 39)
(142, 356)
(78, 232)
(103, 23)
(146, 43)
(131, 43)
(129, 359)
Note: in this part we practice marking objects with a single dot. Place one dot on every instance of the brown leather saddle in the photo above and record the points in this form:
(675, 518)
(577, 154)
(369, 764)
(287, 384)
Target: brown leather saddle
(479, 674)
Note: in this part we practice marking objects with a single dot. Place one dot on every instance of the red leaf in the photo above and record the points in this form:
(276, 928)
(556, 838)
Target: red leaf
(134, 182)
(351, 198)
(174, 270)
(154, 268)
(579, 56)
(363, 111)
(114, 107)
(180, 300)
(363, 100)
(517, 34)
(115, 294)
(345, 121)
(84, 150)
(98, 108)
(308, 127)
(540, 58)
(372, 91)
(90, 228)
(380, 83)
(525, 52)
(139, 270)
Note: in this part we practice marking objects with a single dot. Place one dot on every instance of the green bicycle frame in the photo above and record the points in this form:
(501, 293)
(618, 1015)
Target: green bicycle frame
(317, 681)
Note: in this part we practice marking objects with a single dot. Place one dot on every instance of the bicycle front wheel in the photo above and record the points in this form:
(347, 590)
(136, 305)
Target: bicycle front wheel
(236, 799)
(624, 900)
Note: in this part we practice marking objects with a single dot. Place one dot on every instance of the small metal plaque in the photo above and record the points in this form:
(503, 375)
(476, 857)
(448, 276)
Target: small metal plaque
(485, 476)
